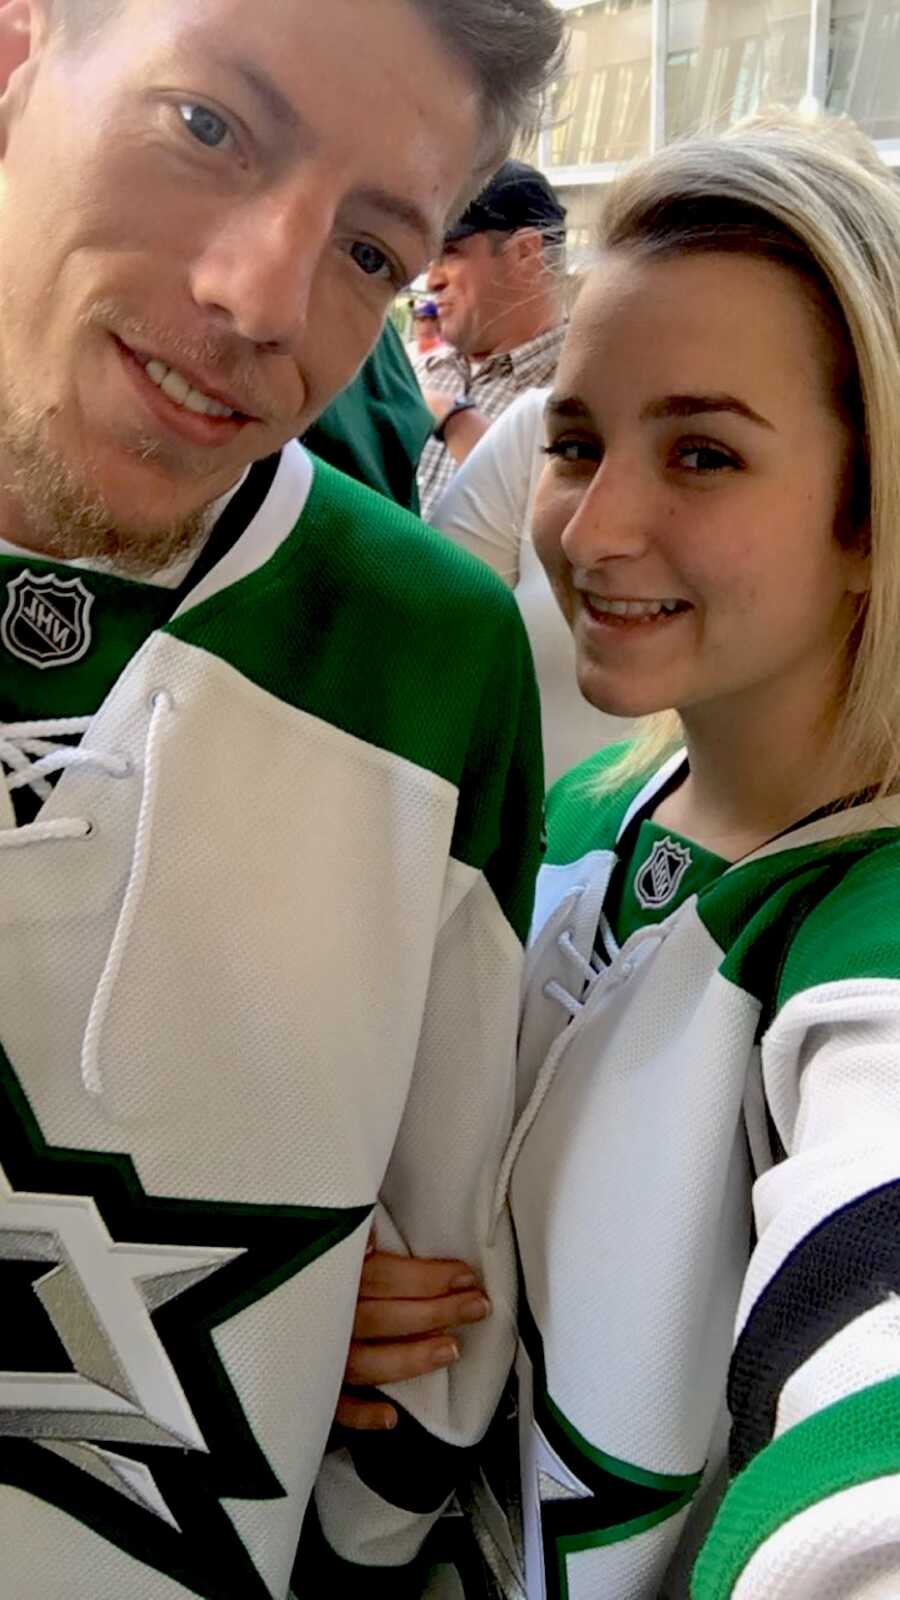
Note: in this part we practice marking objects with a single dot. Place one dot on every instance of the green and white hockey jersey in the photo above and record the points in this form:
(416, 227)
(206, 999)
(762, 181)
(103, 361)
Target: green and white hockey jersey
(261, 931)
(705, 1186)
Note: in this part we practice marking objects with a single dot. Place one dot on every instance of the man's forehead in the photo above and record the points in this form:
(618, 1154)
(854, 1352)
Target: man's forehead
(270, 50)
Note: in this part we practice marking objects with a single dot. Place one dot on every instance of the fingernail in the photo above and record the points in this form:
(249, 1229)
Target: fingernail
(474, 1310)
(444, 1355)
(466, 1280)
(391, 1421)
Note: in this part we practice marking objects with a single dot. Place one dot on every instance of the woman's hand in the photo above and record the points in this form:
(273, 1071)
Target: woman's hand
(405, 1316)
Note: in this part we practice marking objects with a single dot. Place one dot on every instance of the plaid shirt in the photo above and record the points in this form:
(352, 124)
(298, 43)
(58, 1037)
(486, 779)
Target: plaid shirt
(493, 385)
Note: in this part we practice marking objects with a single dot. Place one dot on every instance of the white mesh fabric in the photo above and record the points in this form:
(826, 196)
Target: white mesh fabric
(844, 1548)
(629, 1570)
(440, 1184)
(286, 1357)
(49, 1556)
(864, 1352)
(630, 1198)
(829, 1064)
(245, 985)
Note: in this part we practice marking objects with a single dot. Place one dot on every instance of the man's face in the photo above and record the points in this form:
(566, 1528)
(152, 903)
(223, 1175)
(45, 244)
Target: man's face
(206, 211)
(474, 287)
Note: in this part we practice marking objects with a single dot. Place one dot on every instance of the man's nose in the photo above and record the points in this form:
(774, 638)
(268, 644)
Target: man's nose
(258, 272)
(436, 277)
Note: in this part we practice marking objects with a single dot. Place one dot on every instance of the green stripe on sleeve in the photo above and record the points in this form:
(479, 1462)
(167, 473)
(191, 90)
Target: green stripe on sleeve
(851, 1442)
(854, 931)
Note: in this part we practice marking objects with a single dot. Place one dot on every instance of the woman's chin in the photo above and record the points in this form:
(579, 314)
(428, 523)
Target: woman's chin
(617, 699)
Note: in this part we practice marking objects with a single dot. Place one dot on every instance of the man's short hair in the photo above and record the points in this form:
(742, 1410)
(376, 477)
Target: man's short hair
(514, 49)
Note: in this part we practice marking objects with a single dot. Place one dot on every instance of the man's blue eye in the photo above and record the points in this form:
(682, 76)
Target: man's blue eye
(369, 258)
(206, 127)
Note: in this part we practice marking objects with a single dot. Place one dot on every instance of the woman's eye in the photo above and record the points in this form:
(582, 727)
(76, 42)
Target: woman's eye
(373, 262)
(206, 127)
(704, 458)
(572, 451)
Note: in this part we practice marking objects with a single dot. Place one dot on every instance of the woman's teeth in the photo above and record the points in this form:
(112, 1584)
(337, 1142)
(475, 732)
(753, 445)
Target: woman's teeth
(638, 609)
(176, 387)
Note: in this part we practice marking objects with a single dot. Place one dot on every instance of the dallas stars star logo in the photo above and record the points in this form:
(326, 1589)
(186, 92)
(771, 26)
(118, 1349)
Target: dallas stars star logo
(115, 1405)
(575, 1497)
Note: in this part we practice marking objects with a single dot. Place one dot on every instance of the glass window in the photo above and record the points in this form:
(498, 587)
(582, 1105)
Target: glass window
(728, 57)
(864, 64)
(583, 210)
(602, 106)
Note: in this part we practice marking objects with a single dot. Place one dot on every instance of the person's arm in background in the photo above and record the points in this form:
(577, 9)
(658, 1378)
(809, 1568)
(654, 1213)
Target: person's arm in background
(460, 430)
(487, 505)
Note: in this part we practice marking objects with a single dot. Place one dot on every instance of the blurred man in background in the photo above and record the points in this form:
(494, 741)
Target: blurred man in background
(427, 328)
(497, 284)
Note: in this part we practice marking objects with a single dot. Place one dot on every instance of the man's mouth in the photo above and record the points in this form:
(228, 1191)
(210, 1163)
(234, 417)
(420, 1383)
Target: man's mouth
(178, 388)
(189, 391)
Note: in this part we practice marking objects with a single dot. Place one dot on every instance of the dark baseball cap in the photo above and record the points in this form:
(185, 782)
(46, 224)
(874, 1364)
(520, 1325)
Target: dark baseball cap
(518, 196)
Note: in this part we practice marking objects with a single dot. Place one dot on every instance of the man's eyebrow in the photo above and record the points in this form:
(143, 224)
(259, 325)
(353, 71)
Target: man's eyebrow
(693, 405)
(267, 91)
(286, 115)
(402, 210)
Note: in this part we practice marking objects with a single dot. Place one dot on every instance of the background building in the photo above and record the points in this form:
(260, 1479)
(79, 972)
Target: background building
(644, 72)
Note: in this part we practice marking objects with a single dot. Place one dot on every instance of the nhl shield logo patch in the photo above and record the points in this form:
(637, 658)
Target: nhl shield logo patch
(47, 619)
(657, 881)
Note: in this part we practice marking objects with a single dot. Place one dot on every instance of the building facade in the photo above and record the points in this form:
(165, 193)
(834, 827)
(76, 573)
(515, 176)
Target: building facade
(641, 73)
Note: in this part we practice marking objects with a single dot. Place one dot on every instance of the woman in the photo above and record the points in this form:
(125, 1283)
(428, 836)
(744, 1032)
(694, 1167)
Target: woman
(704, 1175)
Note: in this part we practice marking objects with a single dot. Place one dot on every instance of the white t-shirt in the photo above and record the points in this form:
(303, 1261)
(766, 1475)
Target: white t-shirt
(487, 508)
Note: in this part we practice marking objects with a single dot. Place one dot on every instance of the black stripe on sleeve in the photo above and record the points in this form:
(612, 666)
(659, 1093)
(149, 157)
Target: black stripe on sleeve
(845, 1267)
(407, 1466)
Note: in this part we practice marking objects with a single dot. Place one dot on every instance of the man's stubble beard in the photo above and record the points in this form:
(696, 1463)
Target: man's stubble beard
(67, 519)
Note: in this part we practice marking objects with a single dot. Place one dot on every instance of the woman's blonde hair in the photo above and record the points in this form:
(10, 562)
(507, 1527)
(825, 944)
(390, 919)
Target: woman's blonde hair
(813, 196)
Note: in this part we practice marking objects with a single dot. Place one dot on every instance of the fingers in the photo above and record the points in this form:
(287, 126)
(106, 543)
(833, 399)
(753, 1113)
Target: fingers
(406, 1319)
(366, 1416)
(369, 1365)
(388, 1277)
(406, 1310)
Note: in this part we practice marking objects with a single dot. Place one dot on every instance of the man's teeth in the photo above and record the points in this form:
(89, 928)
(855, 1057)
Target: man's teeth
(176, 387)
(635, 608)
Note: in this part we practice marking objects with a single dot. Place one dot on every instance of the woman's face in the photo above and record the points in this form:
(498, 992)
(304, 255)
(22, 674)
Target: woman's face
(696, 468)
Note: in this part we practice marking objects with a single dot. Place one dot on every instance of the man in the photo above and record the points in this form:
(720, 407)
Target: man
(497, 286)
(426, 327)
(266, 850)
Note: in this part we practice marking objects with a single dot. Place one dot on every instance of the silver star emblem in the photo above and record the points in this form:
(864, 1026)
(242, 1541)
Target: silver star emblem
(99, 1297)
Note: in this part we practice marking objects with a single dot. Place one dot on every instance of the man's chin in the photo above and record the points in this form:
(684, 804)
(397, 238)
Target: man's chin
(68, 519)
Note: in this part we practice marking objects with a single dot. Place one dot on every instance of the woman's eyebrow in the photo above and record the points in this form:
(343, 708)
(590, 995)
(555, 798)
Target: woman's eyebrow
(570, 407)
(693, 405)
(566, 406)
